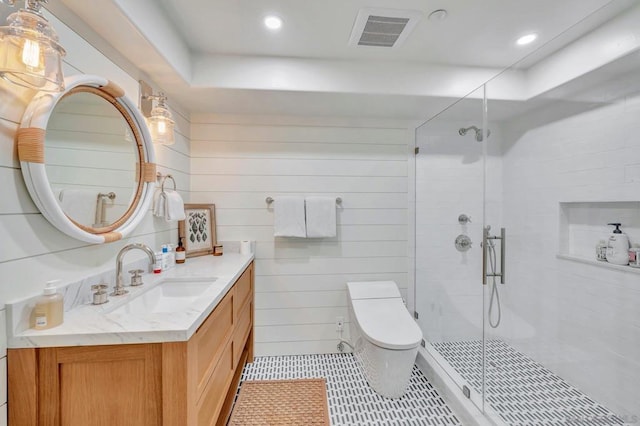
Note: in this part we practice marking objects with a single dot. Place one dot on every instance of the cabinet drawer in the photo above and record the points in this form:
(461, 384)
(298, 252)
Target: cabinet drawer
(215, 391)
(210, 339)
(241, 331)
(243, 290)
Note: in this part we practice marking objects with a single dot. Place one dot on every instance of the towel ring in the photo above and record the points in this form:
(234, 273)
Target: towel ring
(164, 179)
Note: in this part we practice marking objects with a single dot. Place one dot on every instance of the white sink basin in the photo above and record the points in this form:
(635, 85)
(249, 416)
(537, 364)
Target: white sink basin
(171, 295)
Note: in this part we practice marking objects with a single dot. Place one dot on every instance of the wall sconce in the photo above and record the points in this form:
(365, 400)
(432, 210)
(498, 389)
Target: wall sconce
(158, 118)
(30, 55)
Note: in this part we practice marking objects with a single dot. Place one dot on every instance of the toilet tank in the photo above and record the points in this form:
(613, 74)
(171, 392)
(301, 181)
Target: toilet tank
(373, 290)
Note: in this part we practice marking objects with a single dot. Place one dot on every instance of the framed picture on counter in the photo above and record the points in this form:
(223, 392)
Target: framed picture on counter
(198, 229)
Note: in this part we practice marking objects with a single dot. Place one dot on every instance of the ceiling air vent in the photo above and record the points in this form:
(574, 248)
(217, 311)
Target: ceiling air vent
(383, 27)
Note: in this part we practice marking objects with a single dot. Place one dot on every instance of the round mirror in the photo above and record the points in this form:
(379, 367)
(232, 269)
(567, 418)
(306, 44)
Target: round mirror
(87, 159)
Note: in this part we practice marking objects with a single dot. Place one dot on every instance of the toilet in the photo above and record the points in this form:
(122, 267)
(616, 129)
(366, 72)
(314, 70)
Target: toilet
(384, 335)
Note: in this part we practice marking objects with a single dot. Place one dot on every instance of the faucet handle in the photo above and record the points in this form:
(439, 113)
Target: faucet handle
(136, 279)
(100, 295)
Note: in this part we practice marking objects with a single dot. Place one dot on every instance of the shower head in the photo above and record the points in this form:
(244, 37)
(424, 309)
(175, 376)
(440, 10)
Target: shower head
(463, 131)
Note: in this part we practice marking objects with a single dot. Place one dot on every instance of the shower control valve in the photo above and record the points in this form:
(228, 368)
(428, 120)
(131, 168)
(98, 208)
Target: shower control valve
(463, 243)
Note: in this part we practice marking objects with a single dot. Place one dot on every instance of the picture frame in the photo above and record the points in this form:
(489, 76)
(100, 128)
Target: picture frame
(198, 229)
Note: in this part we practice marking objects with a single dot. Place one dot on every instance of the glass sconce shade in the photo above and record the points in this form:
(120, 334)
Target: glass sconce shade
(161, 124)
(30, 55)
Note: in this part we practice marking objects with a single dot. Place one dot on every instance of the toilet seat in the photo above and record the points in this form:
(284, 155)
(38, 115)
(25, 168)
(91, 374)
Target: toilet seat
(387, 323)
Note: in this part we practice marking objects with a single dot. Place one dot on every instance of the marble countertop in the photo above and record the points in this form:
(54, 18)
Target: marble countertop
(88, 324)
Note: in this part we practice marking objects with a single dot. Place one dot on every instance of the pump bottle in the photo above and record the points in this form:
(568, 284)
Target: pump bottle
(618, 246)
(49, 309)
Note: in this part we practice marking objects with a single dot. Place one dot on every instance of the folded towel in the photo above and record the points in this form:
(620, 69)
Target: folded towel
(168, 204)
(79, 205)
(289, 217)
(174, 207)
(159, 202)
(321, 217)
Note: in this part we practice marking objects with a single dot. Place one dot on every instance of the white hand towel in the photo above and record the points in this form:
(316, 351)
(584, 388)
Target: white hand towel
(288, 217)
(159, 203)
(79, 205)
(174, 206)
(321, 217)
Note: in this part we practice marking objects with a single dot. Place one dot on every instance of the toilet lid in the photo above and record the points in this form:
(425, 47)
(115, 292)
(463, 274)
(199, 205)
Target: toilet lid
(387, 323)
(372, 289)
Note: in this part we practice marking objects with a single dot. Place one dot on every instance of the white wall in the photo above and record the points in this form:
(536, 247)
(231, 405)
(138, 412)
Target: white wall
(586, 318)
(300, 283)
(33, 251)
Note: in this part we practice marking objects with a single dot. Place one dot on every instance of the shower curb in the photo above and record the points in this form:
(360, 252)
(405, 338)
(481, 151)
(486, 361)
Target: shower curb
(462, 407)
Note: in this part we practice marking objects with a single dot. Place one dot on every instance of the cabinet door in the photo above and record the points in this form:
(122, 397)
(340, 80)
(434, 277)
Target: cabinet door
(116, 385)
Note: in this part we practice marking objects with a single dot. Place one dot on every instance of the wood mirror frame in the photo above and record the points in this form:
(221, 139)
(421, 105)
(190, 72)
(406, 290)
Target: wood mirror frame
(31, 142)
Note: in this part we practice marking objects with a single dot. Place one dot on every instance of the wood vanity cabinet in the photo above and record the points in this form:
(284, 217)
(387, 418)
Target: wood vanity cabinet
(175, 383)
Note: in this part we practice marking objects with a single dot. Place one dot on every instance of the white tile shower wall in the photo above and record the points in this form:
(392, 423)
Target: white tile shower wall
(300, 283)
(449, 182)
(585, 319)
(33, 251)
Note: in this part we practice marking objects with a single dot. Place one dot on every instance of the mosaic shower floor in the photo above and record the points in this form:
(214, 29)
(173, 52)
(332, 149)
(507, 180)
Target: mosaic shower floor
(351, 401)
(520, 390)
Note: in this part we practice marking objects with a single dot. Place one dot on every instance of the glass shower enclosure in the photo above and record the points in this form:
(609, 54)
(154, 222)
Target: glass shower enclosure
(512, 194)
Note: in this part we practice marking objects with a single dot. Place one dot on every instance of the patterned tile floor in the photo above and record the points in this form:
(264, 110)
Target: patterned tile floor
(522, 391)
(351, 401)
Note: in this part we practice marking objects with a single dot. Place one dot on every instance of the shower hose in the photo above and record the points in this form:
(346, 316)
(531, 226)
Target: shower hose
(494, 289)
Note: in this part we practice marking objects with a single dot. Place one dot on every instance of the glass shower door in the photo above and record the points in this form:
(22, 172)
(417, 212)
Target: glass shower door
(450, 174)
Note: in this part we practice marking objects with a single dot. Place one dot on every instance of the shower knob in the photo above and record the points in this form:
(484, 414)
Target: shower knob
(463, 243)
(463, 219)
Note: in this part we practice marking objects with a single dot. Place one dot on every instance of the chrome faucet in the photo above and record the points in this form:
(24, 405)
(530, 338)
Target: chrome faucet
(119, 289)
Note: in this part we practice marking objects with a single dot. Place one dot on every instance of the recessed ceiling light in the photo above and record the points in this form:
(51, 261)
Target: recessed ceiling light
(526, 39)
(273, 22)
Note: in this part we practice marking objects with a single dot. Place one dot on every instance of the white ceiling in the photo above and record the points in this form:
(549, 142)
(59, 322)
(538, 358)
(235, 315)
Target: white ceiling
(216, 56)
(475, 33)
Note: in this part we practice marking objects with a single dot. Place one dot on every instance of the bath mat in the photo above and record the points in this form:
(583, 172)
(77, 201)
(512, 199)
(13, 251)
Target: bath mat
(281, 402)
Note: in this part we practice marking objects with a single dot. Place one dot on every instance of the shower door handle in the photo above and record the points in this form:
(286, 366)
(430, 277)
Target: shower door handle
(503, 242)
(485, 238)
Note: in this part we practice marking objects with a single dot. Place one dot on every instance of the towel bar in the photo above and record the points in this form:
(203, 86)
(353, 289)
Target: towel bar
(270, 200)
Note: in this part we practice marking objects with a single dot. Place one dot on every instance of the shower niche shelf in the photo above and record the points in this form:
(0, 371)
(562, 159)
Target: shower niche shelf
(601, 264)
(583, 224)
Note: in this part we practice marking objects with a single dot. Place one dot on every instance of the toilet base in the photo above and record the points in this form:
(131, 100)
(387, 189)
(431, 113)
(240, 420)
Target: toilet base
(387, 371)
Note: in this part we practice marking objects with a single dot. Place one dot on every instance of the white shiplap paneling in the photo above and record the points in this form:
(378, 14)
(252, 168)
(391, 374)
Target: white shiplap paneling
(300, 284)
(34, 251)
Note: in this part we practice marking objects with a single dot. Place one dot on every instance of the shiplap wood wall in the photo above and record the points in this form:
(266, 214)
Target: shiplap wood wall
(32, 251)
(300, 283)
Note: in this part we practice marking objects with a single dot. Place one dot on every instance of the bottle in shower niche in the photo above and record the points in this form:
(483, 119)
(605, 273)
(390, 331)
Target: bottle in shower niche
(601, 251)
(49, 309)
(618, 246)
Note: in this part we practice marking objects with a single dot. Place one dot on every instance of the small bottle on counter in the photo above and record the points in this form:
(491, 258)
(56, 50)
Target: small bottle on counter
(217, 250)
(171, 256)
(157, 265)
(181, 253)
(165, 257)
(49, 309)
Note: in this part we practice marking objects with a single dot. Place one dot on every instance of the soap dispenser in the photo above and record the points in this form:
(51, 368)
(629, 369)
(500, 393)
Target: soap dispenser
(49, 309)
(618, 246)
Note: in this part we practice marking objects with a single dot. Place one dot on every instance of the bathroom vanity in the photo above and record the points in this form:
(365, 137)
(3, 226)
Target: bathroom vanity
(178, 368)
